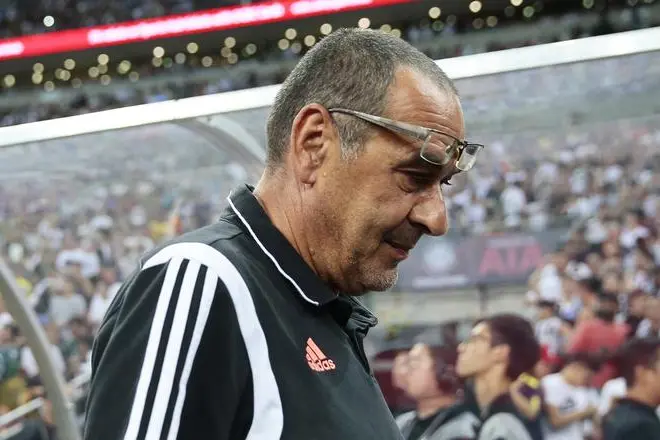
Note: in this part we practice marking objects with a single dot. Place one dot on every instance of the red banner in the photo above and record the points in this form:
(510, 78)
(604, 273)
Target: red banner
(177, 25)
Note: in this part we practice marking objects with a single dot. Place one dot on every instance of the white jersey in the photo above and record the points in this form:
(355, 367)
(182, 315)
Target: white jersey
(568, 399)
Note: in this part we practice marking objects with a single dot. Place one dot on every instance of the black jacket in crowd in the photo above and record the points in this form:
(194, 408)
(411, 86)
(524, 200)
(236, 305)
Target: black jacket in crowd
(631, 420)
(465, 421)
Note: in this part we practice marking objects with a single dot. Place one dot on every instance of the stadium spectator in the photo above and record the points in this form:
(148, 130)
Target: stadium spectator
(433, 385)
(632, 308)
(499, 349)
(650, 325)
(634, 416)
(612, 391)
(599, 335)
(568, 401)
(549, 328)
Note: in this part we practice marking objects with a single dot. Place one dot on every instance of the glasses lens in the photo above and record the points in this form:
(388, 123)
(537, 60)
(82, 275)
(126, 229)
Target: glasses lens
(437, 149)
(468, 157)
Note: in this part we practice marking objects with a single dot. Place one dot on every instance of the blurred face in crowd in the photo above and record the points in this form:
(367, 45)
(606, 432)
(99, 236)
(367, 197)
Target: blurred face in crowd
(542, 369)
(594, 261)
(79, 330)
(422, 381)
(652, 308)
(611, 283)
(582, 373)
(477, 354)
(631, 221)
(109, 275)
(647, 378)
(365, 213)
(611, 249)
(560, 260)
(637, 305)
(606, 307)
(400, 370)
(579, 373)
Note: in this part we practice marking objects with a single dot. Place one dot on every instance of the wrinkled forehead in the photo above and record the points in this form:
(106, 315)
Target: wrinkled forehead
(417, 99)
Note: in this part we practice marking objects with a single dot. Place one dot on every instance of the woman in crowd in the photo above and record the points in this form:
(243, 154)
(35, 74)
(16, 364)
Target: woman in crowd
(432, 383)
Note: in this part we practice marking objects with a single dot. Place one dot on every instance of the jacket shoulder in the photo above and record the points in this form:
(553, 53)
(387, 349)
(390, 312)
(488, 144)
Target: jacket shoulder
(215, 236)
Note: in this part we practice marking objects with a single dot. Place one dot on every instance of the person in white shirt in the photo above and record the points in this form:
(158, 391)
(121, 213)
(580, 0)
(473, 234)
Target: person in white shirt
(101, 301)
(548, 327)
(632, 230)
(612, 390)
(568, 401)
(513, 200)
(28, 361)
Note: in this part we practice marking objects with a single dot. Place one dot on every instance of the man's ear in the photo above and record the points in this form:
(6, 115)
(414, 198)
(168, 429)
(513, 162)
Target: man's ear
(312, 142)
(501, 353)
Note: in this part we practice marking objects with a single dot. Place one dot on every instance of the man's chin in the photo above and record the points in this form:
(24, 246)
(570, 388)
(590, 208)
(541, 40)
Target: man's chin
(381, 282)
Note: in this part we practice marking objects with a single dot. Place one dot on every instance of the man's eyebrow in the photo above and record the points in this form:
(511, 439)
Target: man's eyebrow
(416, 161)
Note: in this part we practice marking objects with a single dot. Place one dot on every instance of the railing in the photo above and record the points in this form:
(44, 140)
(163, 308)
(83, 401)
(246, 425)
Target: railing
(75, 393)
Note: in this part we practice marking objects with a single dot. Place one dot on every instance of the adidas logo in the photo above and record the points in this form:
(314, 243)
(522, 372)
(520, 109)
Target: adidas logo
(316, 360)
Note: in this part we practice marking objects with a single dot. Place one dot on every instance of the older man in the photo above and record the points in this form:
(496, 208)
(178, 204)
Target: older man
(248, 328)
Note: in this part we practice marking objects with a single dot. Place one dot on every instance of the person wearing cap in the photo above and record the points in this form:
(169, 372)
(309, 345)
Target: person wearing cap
(249, 328)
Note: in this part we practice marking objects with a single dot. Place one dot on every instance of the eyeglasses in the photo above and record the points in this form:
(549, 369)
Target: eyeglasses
(437, 148)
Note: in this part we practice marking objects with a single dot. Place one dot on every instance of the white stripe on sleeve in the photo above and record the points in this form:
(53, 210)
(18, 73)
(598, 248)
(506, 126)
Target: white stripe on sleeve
(268, 418)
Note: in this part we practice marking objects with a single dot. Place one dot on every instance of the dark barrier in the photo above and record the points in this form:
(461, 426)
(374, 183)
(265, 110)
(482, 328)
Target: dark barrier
(458, 262)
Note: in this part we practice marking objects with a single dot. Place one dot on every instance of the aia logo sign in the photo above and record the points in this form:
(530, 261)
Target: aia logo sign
(316, 360)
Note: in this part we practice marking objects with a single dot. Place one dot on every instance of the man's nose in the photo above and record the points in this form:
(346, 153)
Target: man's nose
(430, 213)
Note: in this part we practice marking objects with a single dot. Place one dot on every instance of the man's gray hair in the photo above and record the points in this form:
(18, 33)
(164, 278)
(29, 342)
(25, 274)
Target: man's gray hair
(350, 68)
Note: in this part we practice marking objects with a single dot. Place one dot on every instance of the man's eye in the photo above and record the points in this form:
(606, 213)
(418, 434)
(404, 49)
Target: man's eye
(421, 180)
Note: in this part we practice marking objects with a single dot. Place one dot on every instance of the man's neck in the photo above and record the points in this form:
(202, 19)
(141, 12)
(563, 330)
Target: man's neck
(430, 406)
(640, 395)
(283, 214)
(489, 387)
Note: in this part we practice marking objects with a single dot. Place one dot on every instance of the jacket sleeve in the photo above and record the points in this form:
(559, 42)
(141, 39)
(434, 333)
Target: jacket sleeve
(170, 361)
(503, 426)
(638, 431)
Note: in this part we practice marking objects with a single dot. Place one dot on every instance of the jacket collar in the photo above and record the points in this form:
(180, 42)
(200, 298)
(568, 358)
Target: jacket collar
(277, 248)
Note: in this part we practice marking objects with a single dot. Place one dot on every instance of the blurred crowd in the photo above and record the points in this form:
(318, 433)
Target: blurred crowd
(504, 381)
(25, 17)
(70, 249)
(587, 366)
(590, 180)
(421, 33)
